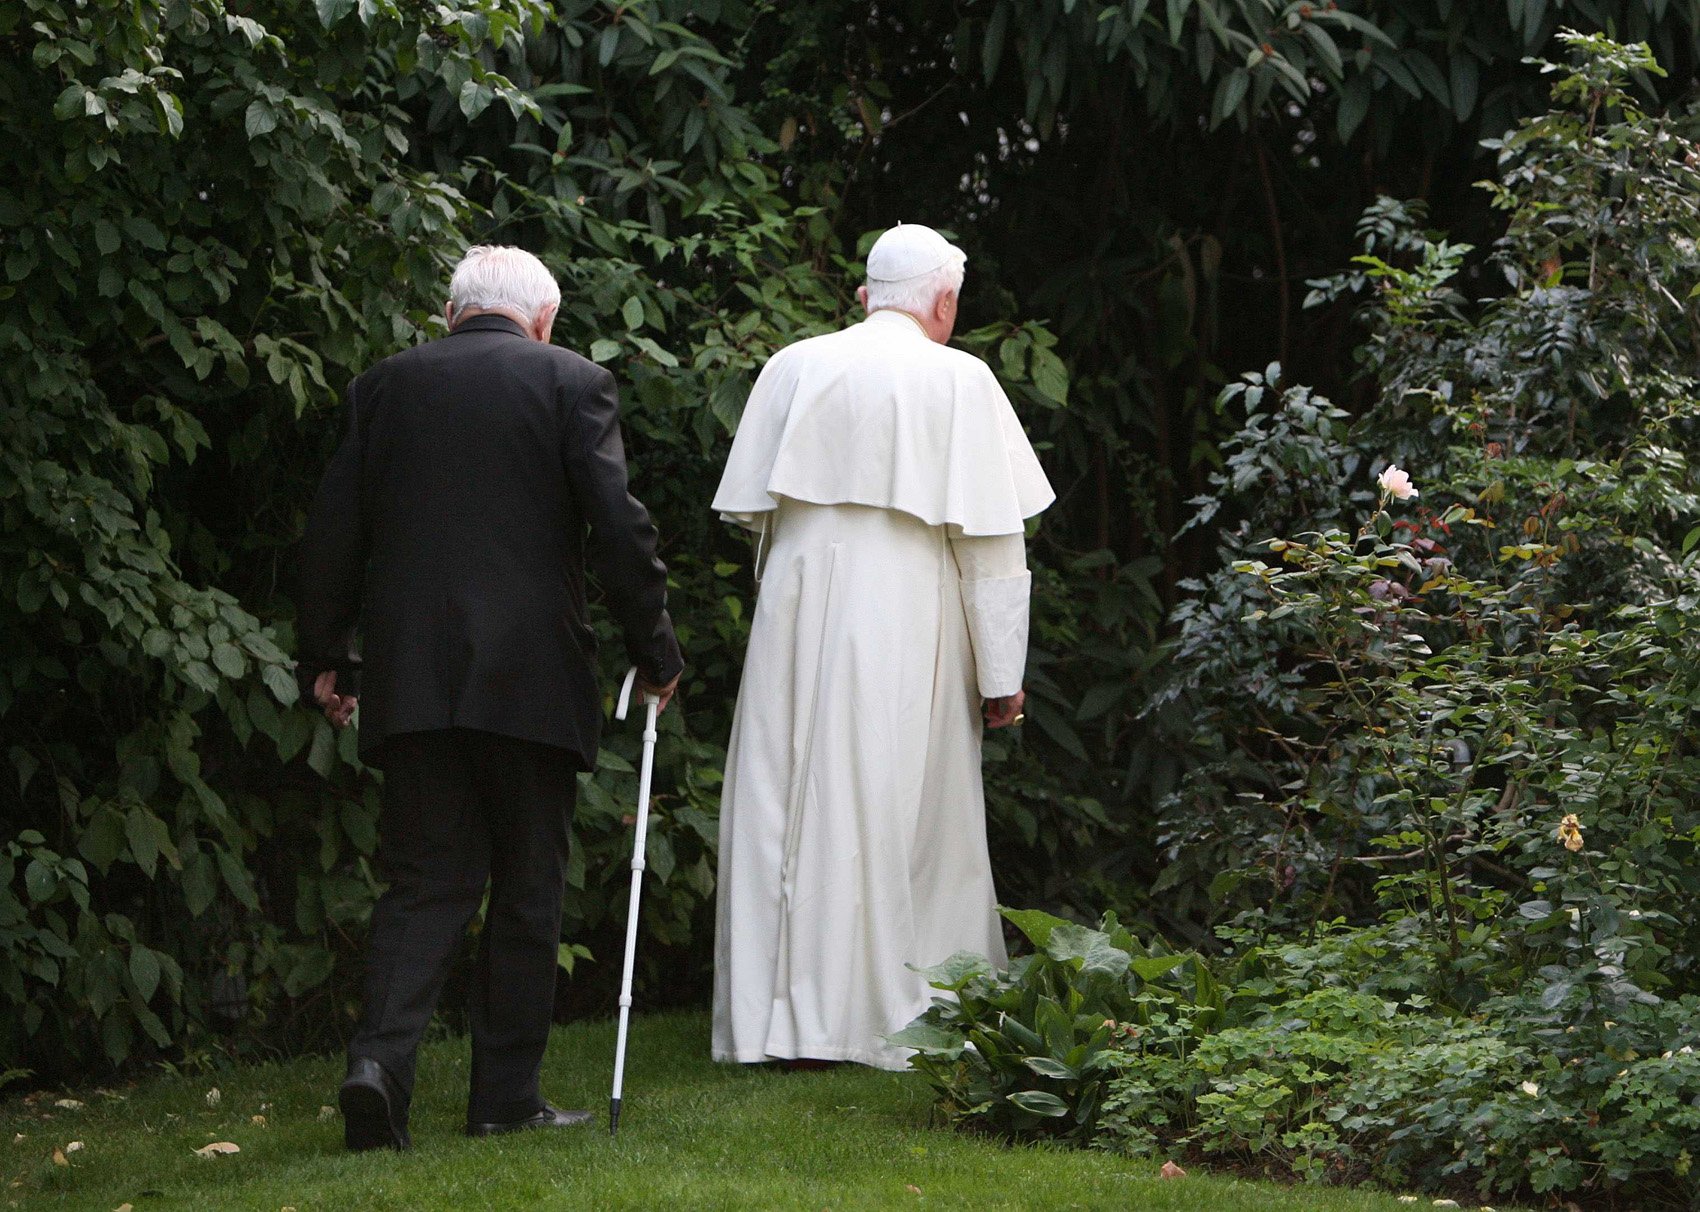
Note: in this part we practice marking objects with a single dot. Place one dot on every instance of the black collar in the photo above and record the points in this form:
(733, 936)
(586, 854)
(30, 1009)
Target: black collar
(488, 322)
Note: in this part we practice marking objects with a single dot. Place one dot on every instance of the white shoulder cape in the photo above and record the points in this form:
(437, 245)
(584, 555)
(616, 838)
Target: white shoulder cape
(877, 414)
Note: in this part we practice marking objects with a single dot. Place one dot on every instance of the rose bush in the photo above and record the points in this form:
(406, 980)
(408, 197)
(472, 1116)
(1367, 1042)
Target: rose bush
(1442, 734)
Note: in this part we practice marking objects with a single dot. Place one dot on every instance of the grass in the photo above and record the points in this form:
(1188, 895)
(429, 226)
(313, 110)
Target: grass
(692, 1135)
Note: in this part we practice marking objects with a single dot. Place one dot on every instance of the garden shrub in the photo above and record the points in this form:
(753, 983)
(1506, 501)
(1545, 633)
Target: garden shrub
(1029, 1050)
(1315, 1061)
(214, 217)
(1456, 717)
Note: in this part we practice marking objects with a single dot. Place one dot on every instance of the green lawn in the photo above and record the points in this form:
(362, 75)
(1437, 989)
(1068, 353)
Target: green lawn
(692, 1135)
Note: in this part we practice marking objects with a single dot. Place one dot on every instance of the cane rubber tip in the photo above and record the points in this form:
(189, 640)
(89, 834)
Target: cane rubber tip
(613, 1117)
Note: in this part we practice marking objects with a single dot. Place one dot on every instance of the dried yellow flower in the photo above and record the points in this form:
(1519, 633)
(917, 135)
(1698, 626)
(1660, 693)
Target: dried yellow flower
(1570, 832)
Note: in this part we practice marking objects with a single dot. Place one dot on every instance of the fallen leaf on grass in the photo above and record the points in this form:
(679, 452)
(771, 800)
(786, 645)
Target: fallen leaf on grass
(125, 1208)
(326, 1114)
(59, 1158)
(69, 1104)
(1170, 1170)
(218, 1147)
(214, 1097)
(73, 1146)
(259, 1121)
(1407, 1199)
(911, 1188)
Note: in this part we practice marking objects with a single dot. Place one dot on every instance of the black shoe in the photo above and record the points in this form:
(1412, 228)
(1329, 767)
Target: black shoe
(374, 1113)
(549, 1117)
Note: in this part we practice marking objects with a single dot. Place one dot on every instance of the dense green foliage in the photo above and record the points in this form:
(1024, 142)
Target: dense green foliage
(1322, 1061)
(214, 214)
(219, 219)
(1460, 715)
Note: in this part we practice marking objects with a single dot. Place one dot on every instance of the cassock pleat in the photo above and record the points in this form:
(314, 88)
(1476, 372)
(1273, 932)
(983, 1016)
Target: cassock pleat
(852, 836)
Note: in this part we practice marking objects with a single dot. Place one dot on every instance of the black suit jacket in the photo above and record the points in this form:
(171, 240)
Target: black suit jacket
(451, 530)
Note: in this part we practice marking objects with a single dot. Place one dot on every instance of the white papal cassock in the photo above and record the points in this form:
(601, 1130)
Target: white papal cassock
(887, 479)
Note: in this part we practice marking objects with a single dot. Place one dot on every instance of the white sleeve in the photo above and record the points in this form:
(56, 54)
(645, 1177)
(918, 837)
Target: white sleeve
(996, 586)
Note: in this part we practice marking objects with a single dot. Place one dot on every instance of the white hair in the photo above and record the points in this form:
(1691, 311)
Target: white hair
(915, 295)
(499, 275)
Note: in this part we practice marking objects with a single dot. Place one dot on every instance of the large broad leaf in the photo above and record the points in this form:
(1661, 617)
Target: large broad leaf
(1023, 1035)
(1045, 1066)
(1090, 951)
(1149, 968)
(956, 971)
(1036, 924)
(1040, 1103)
(929, 1039)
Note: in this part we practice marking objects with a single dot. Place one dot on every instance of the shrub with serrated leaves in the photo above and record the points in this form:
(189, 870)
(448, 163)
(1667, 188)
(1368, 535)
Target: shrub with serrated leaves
(213, 219)
(1392, 709)
(1461, 720)
(207, 223)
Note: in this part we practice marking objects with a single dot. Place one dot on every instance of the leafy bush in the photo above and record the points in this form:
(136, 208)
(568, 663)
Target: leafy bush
(214, 219)
(1458, 718)
(1315, 1061)
(206, 226)
(1030, 1050)
(1334, 1082)
(1434, 692)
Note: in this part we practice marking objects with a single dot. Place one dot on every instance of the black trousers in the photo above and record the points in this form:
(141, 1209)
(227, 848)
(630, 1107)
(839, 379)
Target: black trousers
(462, 809)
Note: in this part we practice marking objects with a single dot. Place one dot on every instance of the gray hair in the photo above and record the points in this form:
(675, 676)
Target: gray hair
(499, 275)
(915, 295)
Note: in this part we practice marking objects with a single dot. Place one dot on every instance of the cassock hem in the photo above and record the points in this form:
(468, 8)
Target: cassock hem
(860, 1056)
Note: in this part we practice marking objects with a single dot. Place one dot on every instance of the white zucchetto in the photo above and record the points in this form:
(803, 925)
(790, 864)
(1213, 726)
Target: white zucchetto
(910, 250)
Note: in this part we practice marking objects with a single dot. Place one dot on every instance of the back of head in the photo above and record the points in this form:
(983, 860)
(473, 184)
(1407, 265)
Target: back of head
(499, 276)
(910, 266)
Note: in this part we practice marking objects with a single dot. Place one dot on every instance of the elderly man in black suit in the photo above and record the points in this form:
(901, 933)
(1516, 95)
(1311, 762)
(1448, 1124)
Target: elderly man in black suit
(450, 531)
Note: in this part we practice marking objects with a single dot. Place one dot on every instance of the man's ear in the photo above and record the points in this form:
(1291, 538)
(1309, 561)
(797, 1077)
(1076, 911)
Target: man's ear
(543, 323)
(944, 307)
(862, 297)
(449, 313)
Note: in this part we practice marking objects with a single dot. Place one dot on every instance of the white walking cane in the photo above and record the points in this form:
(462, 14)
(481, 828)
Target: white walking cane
(653, 702)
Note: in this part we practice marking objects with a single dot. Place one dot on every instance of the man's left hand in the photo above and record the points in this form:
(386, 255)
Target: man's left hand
(338, 708)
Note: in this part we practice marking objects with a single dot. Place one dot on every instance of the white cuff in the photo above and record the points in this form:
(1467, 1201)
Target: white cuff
(997, 626)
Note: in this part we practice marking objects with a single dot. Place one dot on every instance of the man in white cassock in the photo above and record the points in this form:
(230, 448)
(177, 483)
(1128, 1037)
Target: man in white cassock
(887, 481)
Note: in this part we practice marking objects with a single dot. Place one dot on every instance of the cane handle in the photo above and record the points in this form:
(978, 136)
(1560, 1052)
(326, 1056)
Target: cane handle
(626, 694)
